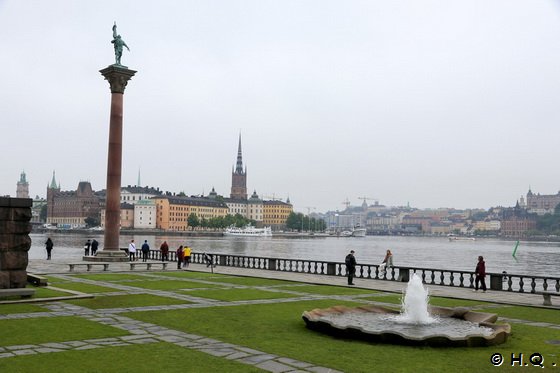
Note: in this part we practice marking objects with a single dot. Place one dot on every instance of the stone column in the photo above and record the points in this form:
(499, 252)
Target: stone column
(118, 77)
(15, 242)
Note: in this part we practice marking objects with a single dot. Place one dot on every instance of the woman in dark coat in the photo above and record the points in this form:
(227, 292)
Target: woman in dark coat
(49, 246)
(480, 273)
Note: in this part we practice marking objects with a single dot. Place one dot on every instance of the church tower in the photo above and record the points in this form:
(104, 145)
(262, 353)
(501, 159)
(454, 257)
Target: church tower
(22, 190)
(239, 177)
(52, 191)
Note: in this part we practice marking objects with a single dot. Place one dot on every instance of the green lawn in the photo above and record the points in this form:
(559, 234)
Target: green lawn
(230, 295)
(148, 358)
(126, 301)
(6, 309)
(249, 281)
(117, 277)
(53, 329)
(327, 290)
(172, 285)
(84, 288)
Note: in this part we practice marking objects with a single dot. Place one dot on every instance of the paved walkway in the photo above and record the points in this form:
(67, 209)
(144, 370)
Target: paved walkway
(39, 266)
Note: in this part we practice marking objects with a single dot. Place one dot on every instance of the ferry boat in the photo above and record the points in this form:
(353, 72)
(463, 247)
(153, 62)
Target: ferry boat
(248, 231)
(355, 232)
(452, 238)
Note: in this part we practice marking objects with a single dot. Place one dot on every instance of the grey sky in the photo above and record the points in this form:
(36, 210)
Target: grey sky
(447, 103)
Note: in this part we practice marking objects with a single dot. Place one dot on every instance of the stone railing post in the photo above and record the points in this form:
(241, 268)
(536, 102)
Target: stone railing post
(272, 264)
(496, 282)
(331, 269)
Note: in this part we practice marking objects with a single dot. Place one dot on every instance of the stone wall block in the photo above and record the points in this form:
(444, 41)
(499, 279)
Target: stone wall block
(20, 242)
(16, 227)
(18, 279)
(13, 260)
(21, 214)
(4, 280)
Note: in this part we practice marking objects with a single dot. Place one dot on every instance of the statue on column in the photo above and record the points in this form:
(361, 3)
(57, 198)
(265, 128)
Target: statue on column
(119, 44)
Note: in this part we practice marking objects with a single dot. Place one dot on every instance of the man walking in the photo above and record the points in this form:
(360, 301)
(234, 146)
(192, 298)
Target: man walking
(131, 251)
(350, 267)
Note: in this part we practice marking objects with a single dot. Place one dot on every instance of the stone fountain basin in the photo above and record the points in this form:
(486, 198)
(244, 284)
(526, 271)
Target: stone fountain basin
(320, 320)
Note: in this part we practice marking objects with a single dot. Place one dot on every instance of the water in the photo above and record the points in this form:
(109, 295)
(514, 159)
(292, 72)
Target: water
(415, 303)
(533, 258)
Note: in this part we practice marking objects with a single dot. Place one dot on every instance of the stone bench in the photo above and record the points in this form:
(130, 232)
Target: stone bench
(88, 265)
(22, 292)
(547, 297)
(37, 280)
(148, 265)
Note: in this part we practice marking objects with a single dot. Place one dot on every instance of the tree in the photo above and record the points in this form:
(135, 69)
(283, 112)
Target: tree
(193, 221)
(43, 213)
(91, 221)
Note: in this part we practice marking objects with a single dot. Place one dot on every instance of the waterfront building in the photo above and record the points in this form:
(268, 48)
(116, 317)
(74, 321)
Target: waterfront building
(541, 204)
(172, 212)
(517, 222)
(127, 216)
(275, 213)
(255, 209)
(36, 209)
(145, 213)
(22, 190)
(383, 224)
(239, 177)
(133, 194)
(70, 209)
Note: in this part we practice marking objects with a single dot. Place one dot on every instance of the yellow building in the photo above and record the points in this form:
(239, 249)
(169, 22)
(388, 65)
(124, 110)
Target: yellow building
(275, 214)
(173, 211)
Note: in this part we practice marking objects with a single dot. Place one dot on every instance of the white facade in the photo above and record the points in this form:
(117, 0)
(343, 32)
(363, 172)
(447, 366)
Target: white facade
(134, 194)
(145, 214)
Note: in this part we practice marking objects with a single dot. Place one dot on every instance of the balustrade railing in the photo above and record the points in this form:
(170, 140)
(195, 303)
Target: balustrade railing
(431, 276)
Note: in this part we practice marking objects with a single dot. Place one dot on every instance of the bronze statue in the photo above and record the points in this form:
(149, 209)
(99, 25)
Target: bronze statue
(119, 43)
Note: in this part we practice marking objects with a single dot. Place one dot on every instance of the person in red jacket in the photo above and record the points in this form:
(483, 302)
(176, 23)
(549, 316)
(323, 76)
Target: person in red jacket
(179, 256)
(480, 273)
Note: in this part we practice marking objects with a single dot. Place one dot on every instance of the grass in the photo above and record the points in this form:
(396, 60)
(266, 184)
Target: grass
(230, 295)
(278, 329)
(529, 313)
(172, 285)
(42, 292)
(126, 301)
(84, 288)
(110, 277)
(327, 290)
(250, 281)
(189, 274)
(6, 309)
(154, 357)
(53, 329)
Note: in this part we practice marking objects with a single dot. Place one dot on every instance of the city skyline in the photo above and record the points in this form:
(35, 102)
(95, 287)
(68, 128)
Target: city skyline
(420, 103)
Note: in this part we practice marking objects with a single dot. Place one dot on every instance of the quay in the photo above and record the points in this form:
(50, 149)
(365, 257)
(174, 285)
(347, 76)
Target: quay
(251, 267)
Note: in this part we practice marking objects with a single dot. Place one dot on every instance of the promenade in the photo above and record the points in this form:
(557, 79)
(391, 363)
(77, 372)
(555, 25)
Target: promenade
(39, 266)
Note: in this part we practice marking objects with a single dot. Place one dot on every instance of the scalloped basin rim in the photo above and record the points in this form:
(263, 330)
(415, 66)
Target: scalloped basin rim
(500, 331)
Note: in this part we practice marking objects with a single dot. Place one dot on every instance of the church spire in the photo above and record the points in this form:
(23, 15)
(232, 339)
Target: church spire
(239, 165)
(53, 182)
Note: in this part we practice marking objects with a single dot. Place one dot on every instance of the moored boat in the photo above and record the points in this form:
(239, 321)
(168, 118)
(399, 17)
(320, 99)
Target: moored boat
(248, 231)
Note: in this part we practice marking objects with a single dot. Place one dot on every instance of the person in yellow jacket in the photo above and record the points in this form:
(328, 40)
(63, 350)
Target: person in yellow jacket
(186, 256)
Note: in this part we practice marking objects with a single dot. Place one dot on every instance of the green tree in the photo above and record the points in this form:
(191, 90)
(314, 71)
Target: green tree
(193, 221)
(91, 221)
(43, 213)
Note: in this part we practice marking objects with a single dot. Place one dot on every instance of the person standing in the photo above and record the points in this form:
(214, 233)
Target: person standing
(186, 256)
(387, 263)
(49, 246)
(145, 251)
(94, 246)
(480, 273)
(131, 251)
(164, 249)
(179, 256)
(350, 267)
(87, 247)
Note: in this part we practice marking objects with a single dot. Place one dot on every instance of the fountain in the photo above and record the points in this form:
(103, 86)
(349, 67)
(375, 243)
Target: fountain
(416, 324)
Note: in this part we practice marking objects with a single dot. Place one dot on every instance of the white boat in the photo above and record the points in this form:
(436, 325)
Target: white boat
(460, 238)
(359, 232)
(248, 231)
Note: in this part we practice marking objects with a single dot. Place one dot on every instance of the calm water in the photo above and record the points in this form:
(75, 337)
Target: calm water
(533, 258)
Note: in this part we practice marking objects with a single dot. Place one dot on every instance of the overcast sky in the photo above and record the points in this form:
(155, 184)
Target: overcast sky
(447, 103)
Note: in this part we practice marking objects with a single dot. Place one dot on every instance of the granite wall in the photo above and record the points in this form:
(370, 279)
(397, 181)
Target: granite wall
(15, 214)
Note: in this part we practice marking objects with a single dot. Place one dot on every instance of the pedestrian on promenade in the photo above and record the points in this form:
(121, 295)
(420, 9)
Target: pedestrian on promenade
(387, 263)
(49, 246)
(186, 256)
(131, 251)
(145, 251)
(350, 267)
(179, 256)
(209, 259)
(164, 248)
(87, 247)
(480, 272)
(94, 246)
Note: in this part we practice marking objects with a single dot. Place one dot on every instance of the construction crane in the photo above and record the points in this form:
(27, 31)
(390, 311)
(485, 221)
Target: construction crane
(346, 203)
(365, 199)
(273, 197)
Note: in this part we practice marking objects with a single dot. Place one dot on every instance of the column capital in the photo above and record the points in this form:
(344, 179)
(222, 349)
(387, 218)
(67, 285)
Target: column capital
(117, 76)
